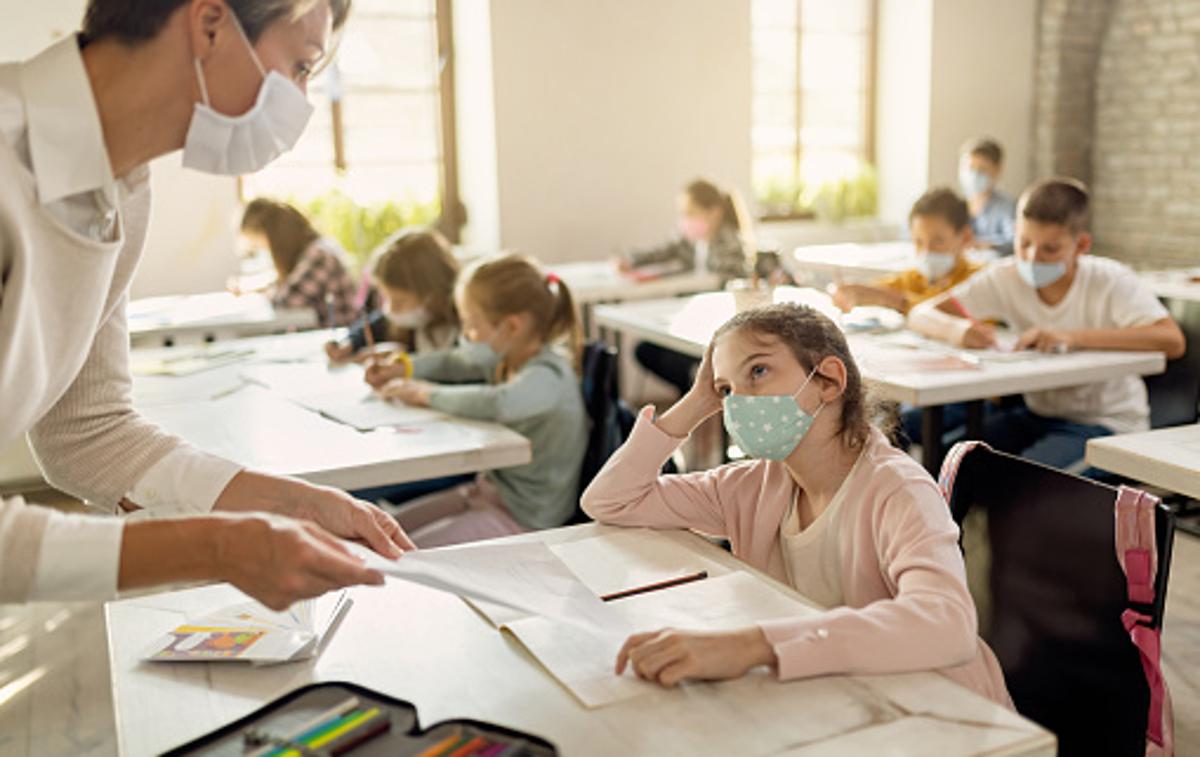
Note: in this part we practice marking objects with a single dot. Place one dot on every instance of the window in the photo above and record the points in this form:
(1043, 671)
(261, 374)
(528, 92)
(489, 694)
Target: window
(813, 106)
(382, 132)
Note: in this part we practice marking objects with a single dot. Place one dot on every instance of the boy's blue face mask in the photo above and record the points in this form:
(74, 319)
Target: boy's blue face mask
(1038, 275)
(768, 426)
(973, 182)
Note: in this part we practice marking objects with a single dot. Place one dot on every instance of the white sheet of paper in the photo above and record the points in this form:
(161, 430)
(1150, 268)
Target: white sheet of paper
(368, 411)
(526, 577)
(583, 662)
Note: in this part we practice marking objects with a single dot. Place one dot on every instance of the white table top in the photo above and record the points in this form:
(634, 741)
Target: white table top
(260, 428)
(1174, 284)
(1166, 457)
(431, 649)
(861, 262)
(598, 281)
(195, 317)
(687, 325)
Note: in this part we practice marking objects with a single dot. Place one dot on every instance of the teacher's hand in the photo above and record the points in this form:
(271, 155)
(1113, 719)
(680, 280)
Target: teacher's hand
(332, 509)
(279, 561)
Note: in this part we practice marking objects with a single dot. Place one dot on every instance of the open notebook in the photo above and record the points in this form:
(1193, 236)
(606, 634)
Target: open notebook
(249, 632)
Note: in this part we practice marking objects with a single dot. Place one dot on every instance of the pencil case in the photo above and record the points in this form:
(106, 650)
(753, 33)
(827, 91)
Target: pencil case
(378, 725)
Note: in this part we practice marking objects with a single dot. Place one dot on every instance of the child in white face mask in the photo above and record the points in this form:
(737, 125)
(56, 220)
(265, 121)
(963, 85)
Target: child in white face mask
(941, 232)
(827, 506)
(521, 349)
(414, 273)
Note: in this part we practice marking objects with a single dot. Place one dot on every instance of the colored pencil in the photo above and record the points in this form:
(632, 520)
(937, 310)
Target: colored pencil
(655, 586)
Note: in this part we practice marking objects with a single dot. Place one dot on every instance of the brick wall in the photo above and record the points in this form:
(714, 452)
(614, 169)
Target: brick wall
(1118, 105)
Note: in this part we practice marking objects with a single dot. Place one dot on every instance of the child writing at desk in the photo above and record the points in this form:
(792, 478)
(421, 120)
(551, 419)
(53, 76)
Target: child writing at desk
(311, 270)
(713, 236)
(415, 273)
(523, 346)
(826, 505)
(1059, 299)
(940, 225)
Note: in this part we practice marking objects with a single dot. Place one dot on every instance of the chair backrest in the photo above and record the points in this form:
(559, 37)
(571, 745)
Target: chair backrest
(1057, 594)
(1175, 393)
(602, 399)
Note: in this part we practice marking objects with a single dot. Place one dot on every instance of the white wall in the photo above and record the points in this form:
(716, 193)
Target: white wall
(983, 83)
(604, 110)
(949, 70)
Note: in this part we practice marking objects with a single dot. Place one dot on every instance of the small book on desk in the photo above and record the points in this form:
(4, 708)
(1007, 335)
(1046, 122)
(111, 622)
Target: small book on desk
(249, 632)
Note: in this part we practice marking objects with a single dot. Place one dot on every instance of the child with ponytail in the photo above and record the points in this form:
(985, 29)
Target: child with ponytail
(521, 347)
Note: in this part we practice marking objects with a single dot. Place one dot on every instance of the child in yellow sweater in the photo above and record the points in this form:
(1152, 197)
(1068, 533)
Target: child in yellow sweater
(940, 225)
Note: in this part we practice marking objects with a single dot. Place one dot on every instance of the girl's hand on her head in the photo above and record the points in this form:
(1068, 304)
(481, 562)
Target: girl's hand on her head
(703, 396)
(409, 391)
(668, 657)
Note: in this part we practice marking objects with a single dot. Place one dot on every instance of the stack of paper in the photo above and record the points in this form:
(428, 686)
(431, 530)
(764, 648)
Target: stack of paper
(249, 632)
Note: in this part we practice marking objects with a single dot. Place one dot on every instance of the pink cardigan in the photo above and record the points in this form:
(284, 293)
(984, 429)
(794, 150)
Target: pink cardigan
(907, 605)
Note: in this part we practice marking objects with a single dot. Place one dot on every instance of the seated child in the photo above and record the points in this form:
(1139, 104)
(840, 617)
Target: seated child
(312, 271)
(524, 344)
(826, 505)
(414, 272)
(1060, 299)
(714, 231)
(941, 231)
(980, 163)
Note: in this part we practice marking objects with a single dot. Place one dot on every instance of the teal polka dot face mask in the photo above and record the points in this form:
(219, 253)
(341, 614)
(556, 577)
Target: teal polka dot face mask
(768, 426)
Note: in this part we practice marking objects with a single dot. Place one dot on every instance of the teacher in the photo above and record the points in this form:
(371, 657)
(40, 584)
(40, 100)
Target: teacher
(225, 81)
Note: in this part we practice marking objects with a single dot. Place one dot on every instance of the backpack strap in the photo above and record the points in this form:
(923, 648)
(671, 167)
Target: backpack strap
(1138, 556)
(951, 463)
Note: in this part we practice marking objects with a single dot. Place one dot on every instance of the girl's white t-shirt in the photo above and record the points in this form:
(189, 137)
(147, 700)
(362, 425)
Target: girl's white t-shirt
(1105, 294)
(812, 557)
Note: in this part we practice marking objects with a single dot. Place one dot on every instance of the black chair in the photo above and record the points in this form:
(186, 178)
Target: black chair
(1054, 597)
(1175, 393)
(600, 388)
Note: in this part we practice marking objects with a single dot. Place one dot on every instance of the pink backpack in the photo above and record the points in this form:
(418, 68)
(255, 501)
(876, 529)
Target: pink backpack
(1136, 549)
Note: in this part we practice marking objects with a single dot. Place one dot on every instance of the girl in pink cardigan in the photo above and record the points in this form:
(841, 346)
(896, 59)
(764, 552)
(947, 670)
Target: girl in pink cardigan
(828, 506)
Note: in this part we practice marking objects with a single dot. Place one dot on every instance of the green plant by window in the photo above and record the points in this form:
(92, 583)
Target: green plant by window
(360, 229)
(852, 196)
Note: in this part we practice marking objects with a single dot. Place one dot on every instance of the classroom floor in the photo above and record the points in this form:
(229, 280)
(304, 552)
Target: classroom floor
(54, 675)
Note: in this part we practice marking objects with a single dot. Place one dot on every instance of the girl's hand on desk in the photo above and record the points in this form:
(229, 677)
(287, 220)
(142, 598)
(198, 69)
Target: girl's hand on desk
(279, 561)
(845, 296)
(409, 391)
(668, 657)
(1045, 340)
(379, 374)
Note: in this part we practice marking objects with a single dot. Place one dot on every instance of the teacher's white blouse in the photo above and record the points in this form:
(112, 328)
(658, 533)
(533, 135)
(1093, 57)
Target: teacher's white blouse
(70, 238)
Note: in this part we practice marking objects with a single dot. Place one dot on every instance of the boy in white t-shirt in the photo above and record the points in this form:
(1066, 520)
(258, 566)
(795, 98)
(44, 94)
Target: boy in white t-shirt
(1059, 299)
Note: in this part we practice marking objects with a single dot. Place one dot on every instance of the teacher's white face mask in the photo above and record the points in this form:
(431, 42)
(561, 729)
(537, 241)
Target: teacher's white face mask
(236, 145)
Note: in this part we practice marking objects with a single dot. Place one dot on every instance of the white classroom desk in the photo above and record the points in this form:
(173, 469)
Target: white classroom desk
(1168, 458)
(1174, 284)
(431, 649)
(155, 321)
(221, 412)
(594, 282)
(687, 325)
(861, 262)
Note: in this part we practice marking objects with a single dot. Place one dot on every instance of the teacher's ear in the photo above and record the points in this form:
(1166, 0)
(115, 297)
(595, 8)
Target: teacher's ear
(208, 20)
